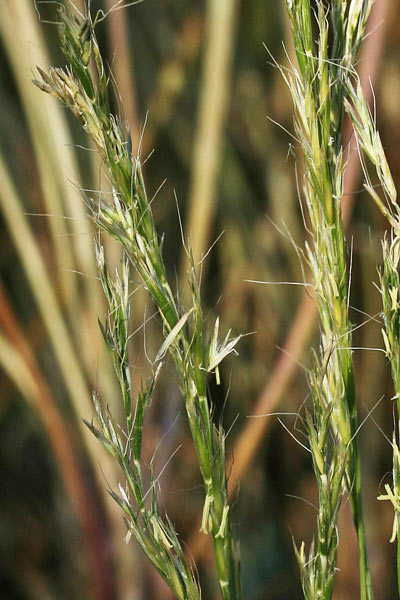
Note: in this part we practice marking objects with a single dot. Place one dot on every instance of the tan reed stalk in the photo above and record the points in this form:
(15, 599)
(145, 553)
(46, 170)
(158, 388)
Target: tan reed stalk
(123, 68)
(43, 291)
(213, 111)
(57, 164)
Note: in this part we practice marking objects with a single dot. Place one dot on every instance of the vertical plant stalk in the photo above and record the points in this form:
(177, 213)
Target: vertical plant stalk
(43, 291)
(128, 218)
(38, 118)
(220, 32)
(318, 90)
(123, 68)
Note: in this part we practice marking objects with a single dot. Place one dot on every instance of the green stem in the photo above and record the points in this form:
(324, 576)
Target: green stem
(366, 592)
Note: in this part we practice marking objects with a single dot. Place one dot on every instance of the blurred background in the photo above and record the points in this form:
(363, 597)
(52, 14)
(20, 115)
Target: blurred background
(196, 85)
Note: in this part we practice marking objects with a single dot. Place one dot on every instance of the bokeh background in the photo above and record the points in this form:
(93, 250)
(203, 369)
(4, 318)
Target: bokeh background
(195, 83)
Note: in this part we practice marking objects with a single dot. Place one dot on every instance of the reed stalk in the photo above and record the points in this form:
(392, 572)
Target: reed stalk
(220, 34)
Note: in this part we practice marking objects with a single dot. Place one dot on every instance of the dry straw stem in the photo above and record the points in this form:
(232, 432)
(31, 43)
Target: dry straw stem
(57, 166)
(128, 218)
(38, 119)
(43, 292)
(48, 127)
(213, 110)
(123, 69)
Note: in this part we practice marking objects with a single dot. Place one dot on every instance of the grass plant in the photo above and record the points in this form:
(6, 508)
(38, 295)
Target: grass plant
(325, 86)
(195, 351)
(318, 89)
